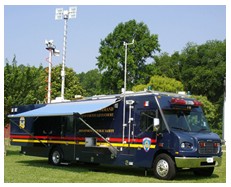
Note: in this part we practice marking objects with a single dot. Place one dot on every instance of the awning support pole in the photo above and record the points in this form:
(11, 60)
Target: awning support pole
(114, 150)
(28, 132)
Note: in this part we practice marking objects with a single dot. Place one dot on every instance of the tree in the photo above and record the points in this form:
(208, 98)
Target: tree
(163, 84)
(22, 85)
(72, 85)
(167, 65)
(90, 82)
(27, 85)
(112, 55)
(203, 68)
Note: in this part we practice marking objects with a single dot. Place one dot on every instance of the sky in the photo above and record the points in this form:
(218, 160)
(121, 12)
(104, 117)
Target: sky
(27, 27)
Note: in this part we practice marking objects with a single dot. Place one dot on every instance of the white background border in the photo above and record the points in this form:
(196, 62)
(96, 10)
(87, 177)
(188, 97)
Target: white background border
(123, 2)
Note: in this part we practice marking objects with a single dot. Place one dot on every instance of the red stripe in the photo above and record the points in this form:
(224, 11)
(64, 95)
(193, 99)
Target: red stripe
(112, 140)
(47, 137)
(20, 136)
(136, 140)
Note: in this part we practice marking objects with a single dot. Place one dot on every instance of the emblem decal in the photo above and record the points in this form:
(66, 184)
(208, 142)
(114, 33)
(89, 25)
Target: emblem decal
(22, 122)
(146, 144)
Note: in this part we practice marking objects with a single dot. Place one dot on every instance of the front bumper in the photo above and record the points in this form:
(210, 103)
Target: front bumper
(194, 162)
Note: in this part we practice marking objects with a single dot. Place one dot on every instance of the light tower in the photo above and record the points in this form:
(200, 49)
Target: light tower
(52, 51)
(64, 14)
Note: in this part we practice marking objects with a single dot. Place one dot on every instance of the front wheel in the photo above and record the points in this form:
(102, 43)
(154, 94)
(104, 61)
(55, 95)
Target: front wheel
(164, 167)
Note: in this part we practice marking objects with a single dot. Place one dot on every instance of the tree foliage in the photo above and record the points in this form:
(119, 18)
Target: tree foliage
(22, 85)
(27, 85)
(167, 65)
(111, 60)
(90, 81)
(72, 84)
(203, 68)
(163, 84)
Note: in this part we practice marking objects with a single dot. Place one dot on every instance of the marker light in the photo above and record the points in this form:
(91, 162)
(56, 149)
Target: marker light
(202, 144)
(197, 103)
(216, 144)
(178, 101)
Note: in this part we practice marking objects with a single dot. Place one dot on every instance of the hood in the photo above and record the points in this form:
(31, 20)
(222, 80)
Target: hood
(196, 136)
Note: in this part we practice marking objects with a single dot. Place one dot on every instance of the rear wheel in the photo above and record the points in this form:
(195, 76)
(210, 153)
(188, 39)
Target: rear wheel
(56, 156)
(164, 167)
(206, 172)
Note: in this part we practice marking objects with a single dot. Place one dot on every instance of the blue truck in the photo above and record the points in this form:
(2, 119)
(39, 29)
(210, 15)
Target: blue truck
(165, 132)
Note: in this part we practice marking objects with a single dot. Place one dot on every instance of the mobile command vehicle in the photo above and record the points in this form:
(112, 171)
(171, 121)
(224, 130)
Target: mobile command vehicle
(151, 130)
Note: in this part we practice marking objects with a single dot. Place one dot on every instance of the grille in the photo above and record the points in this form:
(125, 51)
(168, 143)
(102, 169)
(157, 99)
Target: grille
(208, 148)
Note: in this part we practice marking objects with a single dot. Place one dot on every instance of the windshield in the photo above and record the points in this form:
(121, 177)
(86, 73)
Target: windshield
(186, 120)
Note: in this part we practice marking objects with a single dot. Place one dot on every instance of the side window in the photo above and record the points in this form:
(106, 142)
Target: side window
(69, 125)
(146, 120)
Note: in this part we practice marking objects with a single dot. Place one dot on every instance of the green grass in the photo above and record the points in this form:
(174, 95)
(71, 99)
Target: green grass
(19, 168)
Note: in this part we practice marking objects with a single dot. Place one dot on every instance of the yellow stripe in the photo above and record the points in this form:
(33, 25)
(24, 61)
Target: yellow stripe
(43, 141)
(81, 143)
(124, 145)
(28, 141)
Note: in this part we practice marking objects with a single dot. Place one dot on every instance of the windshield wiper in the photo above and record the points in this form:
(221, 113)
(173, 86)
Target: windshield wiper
(203, 129)
(179, 128)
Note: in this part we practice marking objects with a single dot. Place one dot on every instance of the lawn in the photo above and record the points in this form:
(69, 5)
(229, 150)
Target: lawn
(19, 168)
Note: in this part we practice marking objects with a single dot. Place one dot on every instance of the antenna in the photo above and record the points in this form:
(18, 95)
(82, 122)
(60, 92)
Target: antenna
(64, 14)
(125, 85)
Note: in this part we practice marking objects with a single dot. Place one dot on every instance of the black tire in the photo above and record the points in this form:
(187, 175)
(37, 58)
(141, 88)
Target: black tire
(164, 167)
(56, 156)
(205, 172)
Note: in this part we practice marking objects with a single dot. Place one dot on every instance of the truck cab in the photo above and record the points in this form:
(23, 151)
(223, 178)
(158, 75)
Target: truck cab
(184, 139)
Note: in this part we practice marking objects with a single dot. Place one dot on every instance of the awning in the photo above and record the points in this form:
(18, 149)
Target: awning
(67, 109)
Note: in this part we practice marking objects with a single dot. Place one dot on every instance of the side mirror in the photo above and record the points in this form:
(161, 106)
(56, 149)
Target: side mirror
(156, 124)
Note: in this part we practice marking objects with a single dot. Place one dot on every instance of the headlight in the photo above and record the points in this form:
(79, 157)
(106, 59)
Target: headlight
(186, 145)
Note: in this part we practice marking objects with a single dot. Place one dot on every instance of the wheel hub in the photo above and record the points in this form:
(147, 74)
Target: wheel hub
(56, 157)
(162, 168)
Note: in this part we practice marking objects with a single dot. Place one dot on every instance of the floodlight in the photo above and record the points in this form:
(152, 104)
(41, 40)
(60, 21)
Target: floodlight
(73, 9)
(58, 13)
(56, 52)
(50, 43)
(59, 10)
(72, 12)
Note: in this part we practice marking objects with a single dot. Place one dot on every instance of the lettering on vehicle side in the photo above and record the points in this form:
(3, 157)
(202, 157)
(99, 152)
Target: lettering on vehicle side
(106, 112)
(93, 115)
(98, 130)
